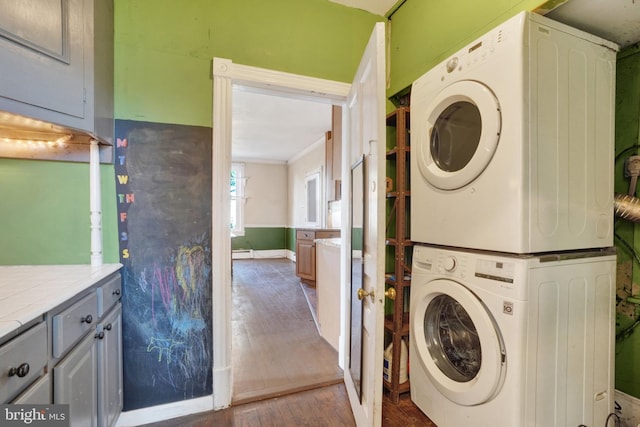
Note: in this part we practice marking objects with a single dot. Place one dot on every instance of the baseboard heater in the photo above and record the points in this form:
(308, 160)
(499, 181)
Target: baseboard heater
(242, 253)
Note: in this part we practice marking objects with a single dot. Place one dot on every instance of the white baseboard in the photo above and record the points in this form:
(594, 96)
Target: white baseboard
(253, 254)
(165, 412)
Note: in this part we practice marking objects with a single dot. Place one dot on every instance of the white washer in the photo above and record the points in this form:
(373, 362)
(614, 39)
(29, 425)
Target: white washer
(504, 341)
(513, 141)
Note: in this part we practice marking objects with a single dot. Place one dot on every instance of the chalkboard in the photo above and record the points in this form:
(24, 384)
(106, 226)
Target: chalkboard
(163, 190)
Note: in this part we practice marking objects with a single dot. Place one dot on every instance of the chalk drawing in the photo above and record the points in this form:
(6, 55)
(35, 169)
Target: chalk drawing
(164, 346)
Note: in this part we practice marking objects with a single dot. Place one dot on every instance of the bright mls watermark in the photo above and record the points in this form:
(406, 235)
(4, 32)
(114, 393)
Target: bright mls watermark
(34, 415)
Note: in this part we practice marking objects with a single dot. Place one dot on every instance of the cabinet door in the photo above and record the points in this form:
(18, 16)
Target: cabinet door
(306, 259)
(110, 368)
(42, 51)
(75, 383)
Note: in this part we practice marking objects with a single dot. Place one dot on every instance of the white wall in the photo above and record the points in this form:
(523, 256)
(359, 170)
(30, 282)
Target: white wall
(266, 192)
(299, 167)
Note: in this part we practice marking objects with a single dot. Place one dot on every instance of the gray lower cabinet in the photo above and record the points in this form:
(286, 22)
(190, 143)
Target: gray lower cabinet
(22, 361)
(89, 378)
(110, 368)
(38, 393)
(75, 382)
(72, 356)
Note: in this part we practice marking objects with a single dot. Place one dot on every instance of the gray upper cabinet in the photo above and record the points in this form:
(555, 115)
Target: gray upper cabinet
(57, 63)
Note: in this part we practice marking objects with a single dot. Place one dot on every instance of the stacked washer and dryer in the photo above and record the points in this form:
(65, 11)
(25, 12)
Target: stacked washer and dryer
(512, 296)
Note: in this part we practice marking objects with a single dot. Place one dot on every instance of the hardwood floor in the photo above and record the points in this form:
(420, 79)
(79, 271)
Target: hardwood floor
(276, 345)
(326, 406)
(285, 374)
(321, 407)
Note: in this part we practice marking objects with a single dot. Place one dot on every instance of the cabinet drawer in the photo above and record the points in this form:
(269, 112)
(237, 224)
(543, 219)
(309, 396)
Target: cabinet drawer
(22, 360)
(73, 323)
(305, 235)
(38, 394)
(327, 234)
(109, 294)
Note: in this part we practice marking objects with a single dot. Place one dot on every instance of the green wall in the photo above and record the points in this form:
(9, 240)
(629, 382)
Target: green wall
(627, 139)
(45, 213)
(261, 239)
(164, 49)
(163, 54)
(291, 239)
(266, 238)
(424, 33)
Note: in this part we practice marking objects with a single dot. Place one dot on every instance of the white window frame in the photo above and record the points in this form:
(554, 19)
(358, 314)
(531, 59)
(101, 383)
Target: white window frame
(240, 198)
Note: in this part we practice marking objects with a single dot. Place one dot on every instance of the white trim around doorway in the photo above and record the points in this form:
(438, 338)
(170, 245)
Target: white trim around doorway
(225, 75)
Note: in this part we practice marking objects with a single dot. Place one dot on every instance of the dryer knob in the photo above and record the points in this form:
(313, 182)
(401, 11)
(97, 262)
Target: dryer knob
(449, 263)
(452, 64)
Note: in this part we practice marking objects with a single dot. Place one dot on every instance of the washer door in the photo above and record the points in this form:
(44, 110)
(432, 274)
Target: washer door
(462, 125)
(458, 342)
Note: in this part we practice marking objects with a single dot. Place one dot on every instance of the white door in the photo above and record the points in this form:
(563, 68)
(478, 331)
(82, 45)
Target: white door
(365, 118)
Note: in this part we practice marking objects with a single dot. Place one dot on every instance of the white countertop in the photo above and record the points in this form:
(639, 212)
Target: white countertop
(332, 241)
(29, 291)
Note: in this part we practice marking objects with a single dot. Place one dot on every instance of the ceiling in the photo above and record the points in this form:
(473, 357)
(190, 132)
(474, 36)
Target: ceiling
(275, 129)
(271, 128)
(377, 7)
(617, 20)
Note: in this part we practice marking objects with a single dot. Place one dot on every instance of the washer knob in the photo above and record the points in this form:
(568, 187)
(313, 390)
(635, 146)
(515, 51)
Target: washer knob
(450, 263)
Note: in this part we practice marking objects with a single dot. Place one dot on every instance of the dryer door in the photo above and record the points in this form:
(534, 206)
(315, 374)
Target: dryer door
(463, 125)
(458, 342)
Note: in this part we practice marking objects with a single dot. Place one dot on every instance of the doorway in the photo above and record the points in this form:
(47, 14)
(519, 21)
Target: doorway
(276, 346)
(225, 75)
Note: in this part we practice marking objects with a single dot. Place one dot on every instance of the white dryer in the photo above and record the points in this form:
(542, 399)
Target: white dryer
(512, 141)
(504, 341)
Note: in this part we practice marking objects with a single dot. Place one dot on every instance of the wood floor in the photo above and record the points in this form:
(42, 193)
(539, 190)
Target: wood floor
(321, 407)
(285, 374)
(276, 345)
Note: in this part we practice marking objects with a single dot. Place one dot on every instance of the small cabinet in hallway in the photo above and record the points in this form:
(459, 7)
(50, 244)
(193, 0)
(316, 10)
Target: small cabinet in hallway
(306, 252)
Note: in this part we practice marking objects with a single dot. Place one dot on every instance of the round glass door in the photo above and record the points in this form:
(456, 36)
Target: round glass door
(453, 340)
(463, 125)
(458, 342)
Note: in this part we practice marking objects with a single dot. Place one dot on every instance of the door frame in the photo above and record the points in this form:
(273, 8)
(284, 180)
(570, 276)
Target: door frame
(225, 75)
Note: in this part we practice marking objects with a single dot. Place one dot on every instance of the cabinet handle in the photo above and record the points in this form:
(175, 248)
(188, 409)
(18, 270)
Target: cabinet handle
(87, 319)
(99, 335)
(116, 292)
(21, 371)
(108, 326)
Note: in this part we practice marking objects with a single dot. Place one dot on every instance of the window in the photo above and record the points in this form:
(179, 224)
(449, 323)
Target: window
(313, 199)
(236, 191)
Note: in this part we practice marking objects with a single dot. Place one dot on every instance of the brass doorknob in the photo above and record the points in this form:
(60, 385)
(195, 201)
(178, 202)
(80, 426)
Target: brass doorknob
(362, 294)
(390, 293)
